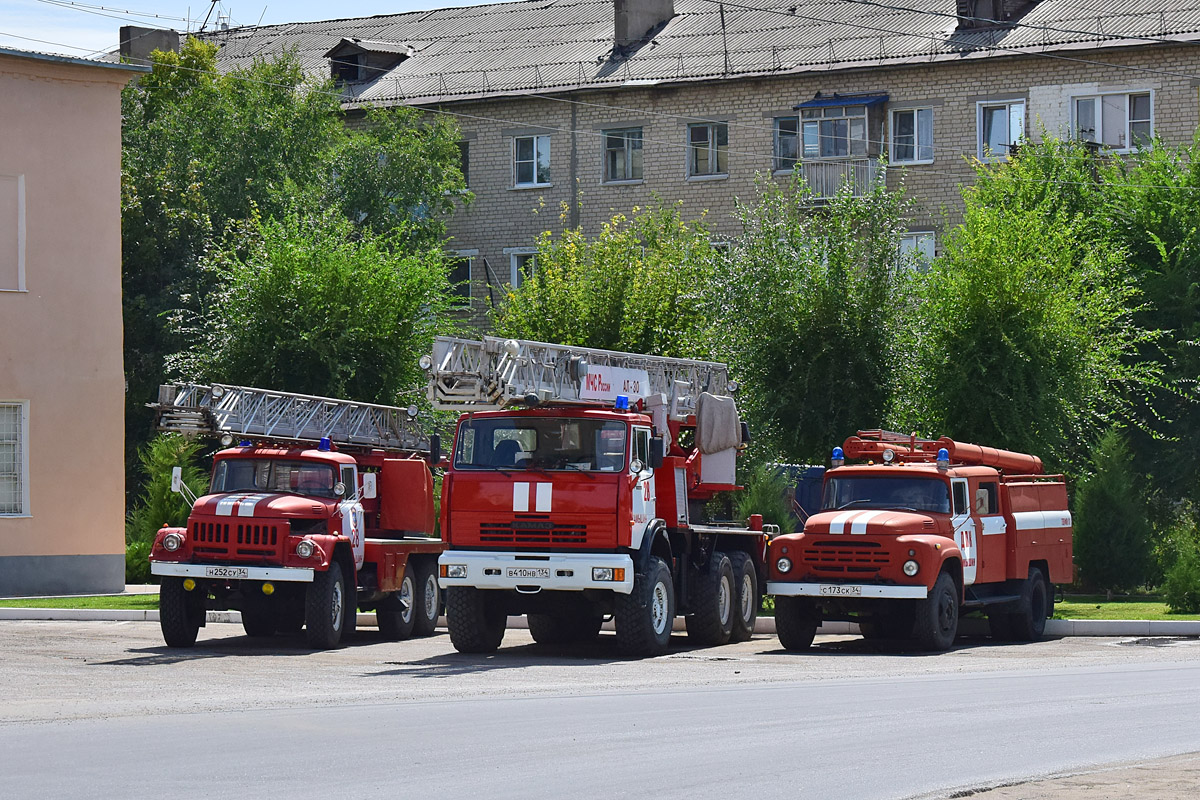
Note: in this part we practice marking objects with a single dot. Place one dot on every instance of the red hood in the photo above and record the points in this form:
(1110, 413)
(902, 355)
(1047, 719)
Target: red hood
(875, 521)
(261, 504)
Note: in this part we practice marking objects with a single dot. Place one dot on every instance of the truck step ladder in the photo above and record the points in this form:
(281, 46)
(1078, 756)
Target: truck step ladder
(467, 375)
(245, 412)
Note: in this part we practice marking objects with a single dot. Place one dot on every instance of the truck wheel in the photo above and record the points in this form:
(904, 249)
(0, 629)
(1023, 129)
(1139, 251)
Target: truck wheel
(1028, 622)
(644, 616)
(325, 608)
(711, 622)
(476, 626)
(259, 616)
(178, 613)
(429, 599)
(796, 622)
(937, 615)
(397, 613)
(745, 596)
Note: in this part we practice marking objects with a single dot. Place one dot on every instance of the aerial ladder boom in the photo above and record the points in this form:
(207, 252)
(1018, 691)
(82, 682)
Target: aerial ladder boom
(242, 412)
(467, 375)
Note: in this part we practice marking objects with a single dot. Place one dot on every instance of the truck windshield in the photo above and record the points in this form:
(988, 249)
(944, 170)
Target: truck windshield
(918, 494)
(548, 443)
(273, 475)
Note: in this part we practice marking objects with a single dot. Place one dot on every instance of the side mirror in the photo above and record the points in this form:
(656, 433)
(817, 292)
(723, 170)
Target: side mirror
(435, 449)
(177, 480)
(370, 490)
(656, 452)
(745, 432)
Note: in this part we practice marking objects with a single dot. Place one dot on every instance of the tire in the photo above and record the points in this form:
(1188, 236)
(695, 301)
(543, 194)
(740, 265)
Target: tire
(796, 622)
(397, 613)
(711, 622)
(644, 617)
(428, 597)
(476, 626)
(1028, 622)
(746, 600)
(937, 615)
(260, 617)
(326, 608)
(178, 614)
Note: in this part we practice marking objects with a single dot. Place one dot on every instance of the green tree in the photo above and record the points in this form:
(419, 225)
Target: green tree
(158, 505)
(1024, 337)
(638, 287)
(1112, 529)
(314, 305)
(809, 312)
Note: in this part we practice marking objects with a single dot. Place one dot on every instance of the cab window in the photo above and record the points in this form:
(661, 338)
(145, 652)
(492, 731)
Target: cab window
(349, 478)
(985, 499)
(959, 489)
(641, 446)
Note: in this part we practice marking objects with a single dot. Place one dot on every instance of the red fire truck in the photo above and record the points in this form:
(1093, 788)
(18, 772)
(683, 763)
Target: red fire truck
(324, 507)
(920, 532)
(575, 491)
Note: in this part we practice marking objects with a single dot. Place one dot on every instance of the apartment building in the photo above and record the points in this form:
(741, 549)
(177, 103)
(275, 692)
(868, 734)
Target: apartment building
(575, 110)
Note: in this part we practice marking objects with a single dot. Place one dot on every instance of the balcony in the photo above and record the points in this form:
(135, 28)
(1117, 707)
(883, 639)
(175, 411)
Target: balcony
(825, 176)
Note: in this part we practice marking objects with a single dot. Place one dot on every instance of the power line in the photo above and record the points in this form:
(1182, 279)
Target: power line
(111, 13)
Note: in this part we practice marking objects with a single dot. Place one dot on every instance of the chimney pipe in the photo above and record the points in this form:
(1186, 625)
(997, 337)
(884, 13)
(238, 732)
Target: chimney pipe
(633, 19)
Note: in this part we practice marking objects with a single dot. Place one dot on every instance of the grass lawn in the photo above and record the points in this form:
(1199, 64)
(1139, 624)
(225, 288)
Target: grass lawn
(1082, 606)
(122, 601)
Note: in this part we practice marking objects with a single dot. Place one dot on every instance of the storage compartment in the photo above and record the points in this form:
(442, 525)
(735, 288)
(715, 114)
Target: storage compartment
(405, 497)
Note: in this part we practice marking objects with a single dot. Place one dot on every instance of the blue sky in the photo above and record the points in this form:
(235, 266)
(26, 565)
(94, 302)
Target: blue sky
(82, 27)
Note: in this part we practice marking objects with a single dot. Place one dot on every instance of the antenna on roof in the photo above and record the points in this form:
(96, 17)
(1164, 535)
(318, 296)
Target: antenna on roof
(204, 24)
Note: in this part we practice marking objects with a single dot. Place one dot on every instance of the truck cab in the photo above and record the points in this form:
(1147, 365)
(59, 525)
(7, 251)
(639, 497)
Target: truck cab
(905, 542)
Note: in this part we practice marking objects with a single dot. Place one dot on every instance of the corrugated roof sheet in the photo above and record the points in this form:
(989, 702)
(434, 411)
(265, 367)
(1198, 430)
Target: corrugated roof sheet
(555, 45)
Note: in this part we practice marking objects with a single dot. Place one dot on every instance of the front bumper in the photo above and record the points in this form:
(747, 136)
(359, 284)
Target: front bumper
(846, 590)
(221, 572)
(530, 573)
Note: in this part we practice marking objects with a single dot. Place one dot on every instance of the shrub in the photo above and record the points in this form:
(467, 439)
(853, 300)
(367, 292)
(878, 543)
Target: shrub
(767, 493)
(158, 505)
(1183, 584)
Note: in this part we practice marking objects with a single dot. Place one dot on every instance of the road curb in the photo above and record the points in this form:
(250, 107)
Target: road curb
(765, 625)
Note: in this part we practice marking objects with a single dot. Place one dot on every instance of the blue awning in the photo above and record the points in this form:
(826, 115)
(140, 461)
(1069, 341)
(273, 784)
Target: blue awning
(844, 100)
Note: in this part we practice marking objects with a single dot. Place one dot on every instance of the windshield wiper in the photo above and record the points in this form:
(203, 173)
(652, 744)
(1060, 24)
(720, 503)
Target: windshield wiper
(852, 503)
(577, 468)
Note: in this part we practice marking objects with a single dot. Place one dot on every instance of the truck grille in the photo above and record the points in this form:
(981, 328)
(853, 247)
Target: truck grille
(532, 532)
(214, 538)
(846, 558)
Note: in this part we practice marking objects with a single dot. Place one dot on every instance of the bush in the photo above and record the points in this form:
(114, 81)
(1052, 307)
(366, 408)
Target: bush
(767, 493)
(1182, 588)
(1112, 529)
(158, 505)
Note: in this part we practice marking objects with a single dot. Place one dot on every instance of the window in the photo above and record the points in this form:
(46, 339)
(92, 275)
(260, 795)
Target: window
(1001, 125)
(1119, 121)
(912, 136)
(349, 480)
(541, 443)
(835, 131)
(623, 155)
(531, 161)
(271, 475)
(641, 447)
(346, 68)
(522, 263)
(460, 281)
(960, 497)
(12, 233)
(708, 146)
(464, 161)
(787, 143)
(863, 492)
(14, 460)
(917, 248)
(985, 499)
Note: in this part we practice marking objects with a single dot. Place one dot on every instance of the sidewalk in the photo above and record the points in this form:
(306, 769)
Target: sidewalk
(1173, 778)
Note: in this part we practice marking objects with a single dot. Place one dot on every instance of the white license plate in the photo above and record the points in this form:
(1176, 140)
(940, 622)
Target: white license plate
(226, 572)
(835, 590)
(528, 572)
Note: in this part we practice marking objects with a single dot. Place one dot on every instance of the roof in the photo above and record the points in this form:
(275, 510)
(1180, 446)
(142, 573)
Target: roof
(534, 46)
(61, 59)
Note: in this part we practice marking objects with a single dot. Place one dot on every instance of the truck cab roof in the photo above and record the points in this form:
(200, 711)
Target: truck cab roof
(278, 451)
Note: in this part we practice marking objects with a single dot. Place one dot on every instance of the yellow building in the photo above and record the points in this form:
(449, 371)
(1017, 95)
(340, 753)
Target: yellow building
(62, 493)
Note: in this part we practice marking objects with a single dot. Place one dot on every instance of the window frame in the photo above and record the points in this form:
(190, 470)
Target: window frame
(1098, 118)
(457, 292)
(518, 257)
(776, 151)
(917, 145)
(717, 152)
(464, 161)
(538, 140)
(916, 237)
(814, 118)
(21, 458)
(980, 109)
(628, 135)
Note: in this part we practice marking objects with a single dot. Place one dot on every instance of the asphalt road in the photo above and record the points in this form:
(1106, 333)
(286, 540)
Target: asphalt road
(103, 710)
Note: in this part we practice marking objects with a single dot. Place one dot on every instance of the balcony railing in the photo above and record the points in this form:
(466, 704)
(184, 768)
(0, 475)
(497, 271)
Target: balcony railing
(825, 177)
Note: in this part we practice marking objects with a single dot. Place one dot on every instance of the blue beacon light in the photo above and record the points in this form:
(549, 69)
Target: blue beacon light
(943, 458)
(839, 457)
(325, 445)
(622, 403)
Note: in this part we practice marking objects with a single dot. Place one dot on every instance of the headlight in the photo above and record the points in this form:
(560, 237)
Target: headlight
(172, 542)
(454, 570)
(304, 548)
(911, 567)
(784, 564)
